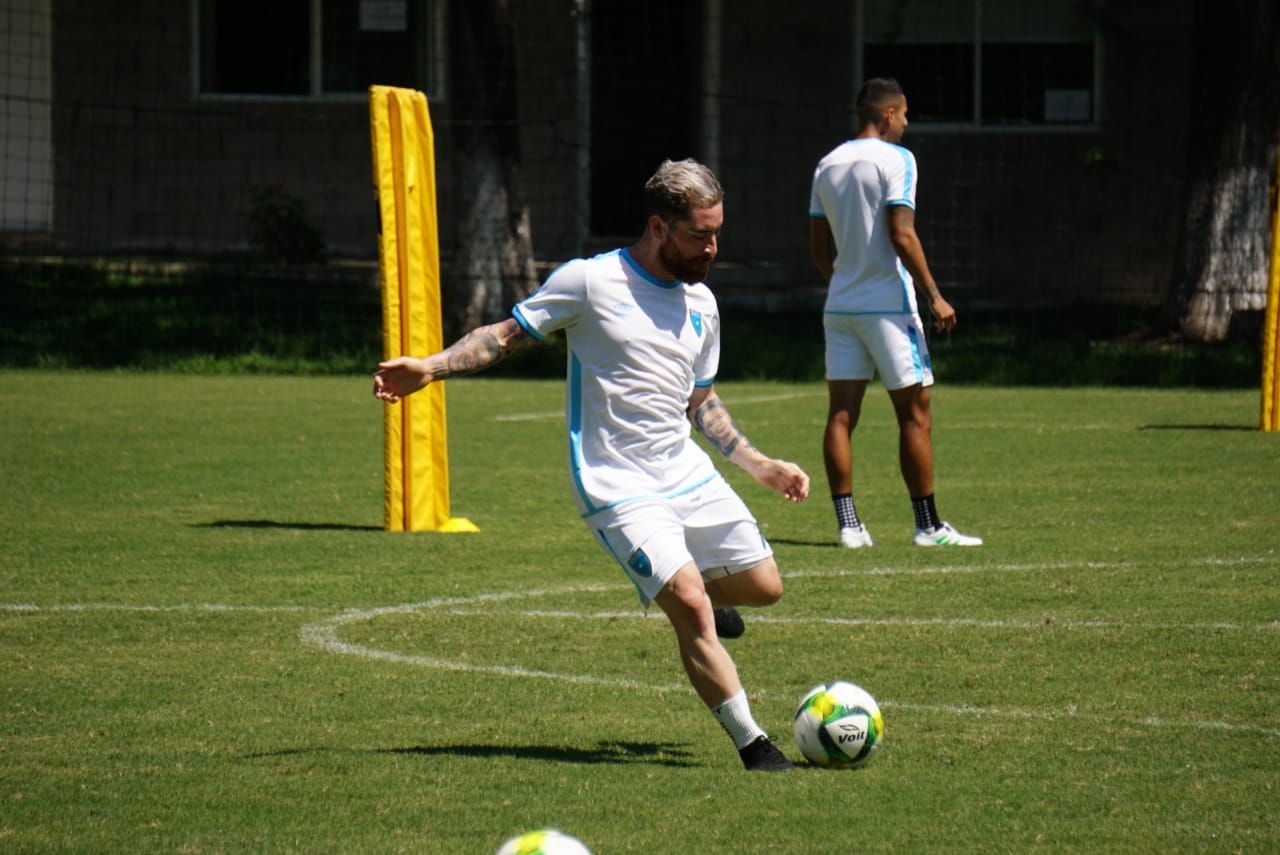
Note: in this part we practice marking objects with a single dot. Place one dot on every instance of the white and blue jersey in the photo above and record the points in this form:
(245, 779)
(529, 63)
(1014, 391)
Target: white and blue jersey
(853, 185)
(638, 345)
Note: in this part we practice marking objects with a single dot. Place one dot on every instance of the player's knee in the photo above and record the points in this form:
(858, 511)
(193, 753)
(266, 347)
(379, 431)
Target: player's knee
(767, 590)
(769, 596)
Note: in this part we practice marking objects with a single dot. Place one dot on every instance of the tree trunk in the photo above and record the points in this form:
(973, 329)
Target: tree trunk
(1223, 252)
(492, 260)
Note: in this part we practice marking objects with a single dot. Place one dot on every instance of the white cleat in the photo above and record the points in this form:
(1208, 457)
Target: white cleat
(944, 535)
(855, 537)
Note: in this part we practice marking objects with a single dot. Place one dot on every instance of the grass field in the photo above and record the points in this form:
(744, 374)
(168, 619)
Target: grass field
(210, 646)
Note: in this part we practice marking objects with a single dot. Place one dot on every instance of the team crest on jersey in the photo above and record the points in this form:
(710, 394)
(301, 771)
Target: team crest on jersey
(639, 563)
(696, 318)
(623, 309)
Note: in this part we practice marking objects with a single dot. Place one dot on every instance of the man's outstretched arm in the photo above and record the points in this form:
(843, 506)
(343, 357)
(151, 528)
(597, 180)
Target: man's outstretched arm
(479, 349)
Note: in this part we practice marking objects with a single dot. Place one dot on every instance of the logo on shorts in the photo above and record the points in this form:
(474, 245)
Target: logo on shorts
(639, 563)
(696, 318)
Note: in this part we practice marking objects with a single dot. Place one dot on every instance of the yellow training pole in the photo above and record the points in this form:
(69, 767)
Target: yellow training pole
(415, 451)
(1271, 325)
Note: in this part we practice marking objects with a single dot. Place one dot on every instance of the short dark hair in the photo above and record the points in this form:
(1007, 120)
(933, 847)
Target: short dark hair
(678, 187)
(872, 96)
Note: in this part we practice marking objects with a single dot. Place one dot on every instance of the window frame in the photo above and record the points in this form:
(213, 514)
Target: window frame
(432, 33)
(977, 124)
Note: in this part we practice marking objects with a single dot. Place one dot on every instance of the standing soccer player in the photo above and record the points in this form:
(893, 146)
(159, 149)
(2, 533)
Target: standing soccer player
(644, 345)
(863, 240)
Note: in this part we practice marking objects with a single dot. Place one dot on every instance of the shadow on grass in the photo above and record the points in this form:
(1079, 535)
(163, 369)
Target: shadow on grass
(296, 526)
(655, 753)
(786, 541)
(660, 754)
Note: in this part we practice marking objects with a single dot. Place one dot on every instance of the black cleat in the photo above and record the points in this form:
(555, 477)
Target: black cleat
(761, 755)
(729, 623)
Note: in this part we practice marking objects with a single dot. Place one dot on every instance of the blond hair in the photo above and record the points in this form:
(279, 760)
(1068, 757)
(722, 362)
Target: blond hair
(679, 187)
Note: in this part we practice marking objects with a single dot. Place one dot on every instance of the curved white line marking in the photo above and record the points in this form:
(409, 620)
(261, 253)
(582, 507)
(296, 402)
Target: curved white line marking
(324, 634)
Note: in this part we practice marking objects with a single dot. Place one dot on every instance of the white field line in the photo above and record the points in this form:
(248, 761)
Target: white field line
(325, 634)
(1075, 715)
(983, 623)
(133, 607)
(945, 569)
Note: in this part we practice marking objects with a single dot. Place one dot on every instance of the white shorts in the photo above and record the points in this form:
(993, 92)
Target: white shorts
(894, 345)
(653, 538)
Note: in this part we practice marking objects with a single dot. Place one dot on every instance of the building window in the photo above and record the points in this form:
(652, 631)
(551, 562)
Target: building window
(985, 62)
(307, 48)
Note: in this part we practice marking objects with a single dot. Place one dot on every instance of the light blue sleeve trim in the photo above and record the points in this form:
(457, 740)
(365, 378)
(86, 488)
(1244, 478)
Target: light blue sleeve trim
(519, 316)
(702, 384)
(908, 177)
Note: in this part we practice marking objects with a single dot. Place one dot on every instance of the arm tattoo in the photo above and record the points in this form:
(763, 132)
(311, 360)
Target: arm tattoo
(479, 349)
(714, 422)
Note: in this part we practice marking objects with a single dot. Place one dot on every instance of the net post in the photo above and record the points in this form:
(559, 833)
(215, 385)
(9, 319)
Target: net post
(1270, 419)
(415, 442)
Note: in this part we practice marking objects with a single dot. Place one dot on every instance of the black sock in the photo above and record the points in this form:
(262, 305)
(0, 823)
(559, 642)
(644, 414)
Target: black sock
(926, 512)
(846, 514)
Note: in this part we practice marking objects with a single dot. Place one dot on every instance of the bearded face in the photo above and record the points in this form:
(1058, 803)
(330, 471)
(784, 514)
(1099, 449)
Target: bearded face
(690, 245)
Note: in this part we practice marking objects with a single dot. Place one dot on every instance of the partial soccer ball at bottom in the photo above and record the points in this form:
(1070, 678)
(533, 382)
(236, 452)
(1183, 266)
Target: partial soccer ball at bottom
(546, 841)
(838, 725)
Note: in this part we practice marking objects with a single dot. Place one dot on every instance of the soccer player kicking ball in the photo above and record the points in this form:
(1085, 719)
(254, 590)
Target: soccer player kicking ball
(862, 238)
(644, 345)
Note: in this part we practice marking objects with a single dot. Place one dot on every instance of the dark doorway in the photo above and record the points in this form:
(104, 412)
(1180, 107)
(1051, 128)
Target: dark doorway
(646, 86)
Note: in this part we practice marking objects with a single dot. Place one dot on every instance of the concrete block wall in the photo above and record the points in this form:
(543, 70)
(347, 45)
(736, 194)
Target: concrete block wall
(1009, 217)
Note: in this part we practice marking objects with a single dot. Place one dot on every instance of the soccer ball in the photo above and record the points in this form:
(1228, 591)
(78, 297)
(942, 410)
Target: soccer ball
(546, 841)
(838, 725)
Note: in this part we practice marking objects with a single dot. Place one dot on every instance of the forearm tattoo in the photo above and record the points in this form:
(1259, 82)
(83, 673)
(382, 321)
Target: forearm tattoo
(478, 350)
(714, 422)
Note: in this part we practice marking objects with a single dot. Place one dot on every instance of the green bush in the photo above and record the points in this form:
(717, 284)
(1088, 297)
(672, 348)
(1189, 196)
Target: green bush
(218, 319)
(279, 227)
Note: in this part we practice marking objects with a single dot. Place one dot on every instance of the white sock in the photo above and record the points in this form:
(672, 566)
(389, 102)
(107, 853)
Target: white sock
(734, 716)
